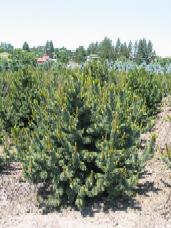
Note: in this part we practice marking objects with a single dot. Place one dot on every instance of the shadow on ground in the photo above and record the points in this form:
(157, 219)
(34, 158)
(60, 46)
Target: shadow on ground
(119, 204)
(101, 204)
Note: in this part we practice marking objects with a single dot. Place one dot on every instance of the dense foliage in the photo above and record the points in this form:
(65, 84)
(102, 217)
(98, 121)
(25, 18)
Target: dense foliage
(16, 60)
(76, 131)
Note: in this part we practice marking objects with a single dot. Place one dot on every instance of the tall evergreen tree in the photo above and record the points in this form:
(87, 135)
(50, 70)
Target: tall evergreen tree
(145, 52)
(118, 48)
(49, 48)
(124, 52)
(150, 52)
(135, 49)
(142, 51)
(26, 46)
(106, 50)
(130, 50)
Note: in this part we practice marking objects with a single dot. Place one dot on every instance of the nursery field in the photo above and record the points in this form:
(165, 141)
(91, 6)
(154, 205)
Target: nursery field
(77, 132)
(93, 141)
(85, 114)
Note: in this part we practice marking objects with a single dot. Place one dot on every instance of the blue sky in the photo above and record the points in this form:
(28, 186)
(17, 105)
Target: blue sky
(71, 23)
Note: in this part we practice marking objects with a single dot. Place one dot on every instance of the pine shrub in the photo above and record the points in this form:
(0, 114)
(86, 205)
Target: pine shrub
(77, 132)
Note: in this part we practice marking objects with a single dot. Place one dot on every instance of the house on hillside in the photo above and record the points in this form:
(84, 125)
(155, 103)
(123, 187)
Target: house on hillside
(92, 57)
(43, 59)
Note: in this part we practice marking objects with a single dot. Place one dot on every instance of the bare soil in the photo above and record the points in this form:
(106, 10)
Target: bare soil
(151, 207)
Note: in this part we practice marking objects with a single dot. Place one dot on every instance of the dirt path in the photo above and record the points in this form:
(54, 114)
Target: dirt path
(150, 208)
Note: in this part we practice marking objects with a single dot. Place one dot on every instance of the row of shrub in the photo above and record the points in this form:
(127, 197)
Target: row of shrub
(77, 132)
(18, 59)
(155, 67)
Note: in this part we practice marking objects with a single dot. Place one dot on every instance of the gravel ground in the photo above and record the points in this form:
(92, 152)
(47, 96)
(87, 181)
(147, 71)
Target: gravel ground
(150, 208)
